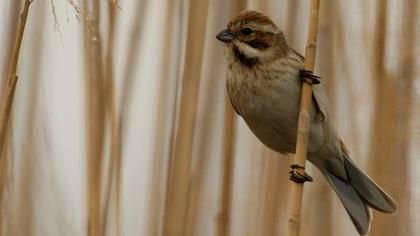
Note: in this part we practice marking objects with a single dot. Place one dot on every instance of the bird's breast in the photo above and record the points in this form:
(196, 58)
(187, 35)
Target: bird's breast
(268, 101)
(261, 91)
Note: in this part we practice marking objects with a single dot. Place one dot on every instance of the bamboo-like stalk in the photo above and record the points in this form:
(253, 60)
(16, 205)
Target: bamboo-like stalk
(11, 84)
(291, 21)
(201, 167)
(162, 137)
(254, 192)
(383, 135)
(95, 122)
(227, 174)
(176, 202)
(127, 91)
(23, 206)
(21, 219)
(274, 167)
(407, 64)
(304, 121)
(114, 170)
(281, 196)
(9, 41)
(346, 74)
(227, 170)
(318, 210)
(391, 129)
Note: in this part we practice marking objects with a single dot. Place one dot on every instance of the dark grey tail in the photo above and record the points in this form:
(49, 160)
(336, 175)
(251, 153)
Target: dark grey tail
(371, 193)
(358, 193)
(353, 203)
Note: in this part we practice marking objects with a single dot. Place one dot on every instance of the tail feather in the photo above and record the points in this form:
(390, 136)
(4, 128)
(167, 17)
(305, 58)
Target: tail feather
(374, 196)
(353, 203)
(358, 193)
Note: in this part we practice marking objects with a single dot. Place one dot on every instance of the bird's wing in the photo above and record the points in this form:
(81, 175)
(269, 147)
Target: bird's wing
(319, 113)
(319, 98)
(322, 135)
(320, 101)
(330, 150)
(319, 130)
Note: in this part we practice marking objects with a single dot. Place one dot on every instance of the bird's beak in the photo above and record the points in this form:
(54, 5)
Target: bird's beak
(225, 36)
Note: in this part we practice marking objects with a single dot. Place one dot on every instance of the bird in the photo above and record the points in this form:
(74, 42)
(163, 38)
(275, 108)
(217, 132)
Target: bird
(264, 78)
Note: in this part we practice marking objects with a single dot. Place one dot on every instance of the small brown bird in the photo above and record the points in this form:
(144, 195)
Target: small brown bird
(264, 86)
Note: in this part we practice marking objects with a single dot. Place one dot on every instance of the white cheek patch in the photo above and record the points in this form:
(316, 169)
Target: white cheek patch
(248, 50)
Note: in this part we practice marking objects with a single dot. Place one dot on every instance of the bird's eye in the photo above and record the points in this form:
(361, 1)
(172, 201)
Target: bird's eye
(247, 31)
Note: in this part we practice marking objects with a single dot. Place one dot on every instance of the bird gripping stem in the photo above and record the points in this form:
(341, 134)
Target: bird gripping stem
(304, 122)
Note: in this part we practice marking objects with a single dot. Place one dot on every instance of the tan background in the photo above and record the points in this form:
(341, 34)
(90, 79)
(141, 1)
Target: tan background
(98, 124)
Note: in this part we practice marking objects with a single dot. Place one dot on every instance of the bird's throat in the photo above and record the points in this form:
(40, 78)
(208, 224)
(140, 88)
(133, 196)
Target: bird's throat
(247, 61)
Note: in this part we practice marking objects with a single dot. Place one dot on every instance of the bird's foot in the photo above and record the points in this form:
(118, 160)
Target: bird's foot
(297, 177)
(309, 77)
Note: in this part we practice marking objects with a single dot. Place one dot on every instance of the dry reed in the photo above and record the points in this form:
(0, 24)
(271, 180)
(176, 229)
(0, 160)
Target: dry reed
(95, 122)
(7, 99)
(203, 142)
(4, 156)
(105, 130)
(114, 160)
(291, 21)
(317, 212)
(9, 41)
(383, 134)
(304, 121)
(156, 208)
(177, 195)
(223, 228)
(405, 100)
(390, 133)
(6, 106)
(22, 216)
(227, 170)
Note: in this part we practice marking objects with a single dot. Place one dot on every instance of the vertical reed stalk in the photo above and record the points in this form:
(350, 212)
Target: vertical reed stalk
(7, 99)
(162, 139)
(114, 170)
(176, 202)
(95, 121)
(223, 227)
(318, 210)
(291, 21)
(121, 115)
(227, 168)
(391, 129)
(4, 162)
(382, 148)
(227, 174)
(9, 41)
(304, 121)
(6, 106)
(273, 168)
(127, 91)
(407, 73)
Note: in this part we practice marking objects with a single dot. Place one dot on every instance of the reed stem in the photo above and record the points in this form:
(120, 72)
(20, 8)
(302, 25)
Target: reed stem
(304, 121)
(11, 83)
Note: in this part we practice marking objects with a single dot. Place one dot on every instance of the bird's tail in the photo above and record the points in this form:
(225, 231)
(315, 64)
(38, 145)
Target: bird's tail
(359, 192)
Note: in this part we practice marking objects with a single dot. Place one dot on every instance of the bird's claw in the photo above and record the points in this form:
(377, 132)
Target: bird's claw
(297, 177)
(309, 77)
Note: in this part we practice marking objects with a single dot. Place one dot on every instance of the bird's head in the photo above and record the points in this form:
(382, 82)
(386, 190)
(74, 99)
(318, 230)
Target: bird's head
(253, 38)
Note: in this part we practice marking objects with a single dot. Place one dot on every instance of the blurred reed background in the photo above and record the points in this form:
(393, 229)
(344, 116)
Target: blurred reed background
(120, 123)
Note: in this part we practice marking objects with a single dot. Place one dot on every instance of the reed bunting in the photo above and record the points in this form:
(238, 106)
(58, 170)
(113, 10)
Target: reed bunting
(264, 77)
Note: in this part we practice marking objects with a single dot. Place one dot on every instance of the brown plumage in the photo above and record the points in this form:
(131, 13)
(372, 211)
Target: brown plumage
(264, 88)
